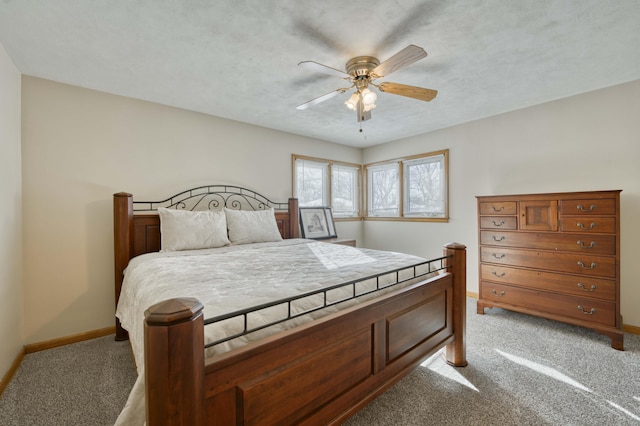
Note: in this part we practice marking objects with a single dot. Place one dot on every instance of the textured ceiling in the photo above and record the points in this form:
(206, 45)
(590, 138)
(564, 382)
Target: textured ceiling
(238, 59)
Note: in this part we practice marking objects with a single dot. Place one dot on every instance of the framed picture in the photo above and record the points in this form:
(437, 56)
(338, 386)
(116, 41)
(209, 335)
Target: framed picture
(330, 223)
(313, 222)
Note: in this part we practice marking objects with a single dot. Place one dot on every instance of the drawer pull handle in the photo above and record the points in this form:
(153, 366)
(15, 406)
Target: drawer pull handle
(497, 210)
(497, 224)
(591, 312)
(592, 207)
(502, 238)
(502, 293)
(498, 275)
(498, 255)
(593, 265)
(581, 244)
(593, 287)
(591, 226)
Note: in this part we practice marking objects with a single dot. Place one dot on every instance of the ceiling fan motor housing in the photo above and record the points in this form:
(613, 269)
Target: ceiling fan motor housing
(361, 66)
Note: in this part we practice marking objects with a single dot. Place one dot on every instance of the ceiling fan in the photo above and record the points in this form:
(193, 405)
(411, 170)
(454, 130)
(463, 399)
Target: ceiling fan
(361, 71)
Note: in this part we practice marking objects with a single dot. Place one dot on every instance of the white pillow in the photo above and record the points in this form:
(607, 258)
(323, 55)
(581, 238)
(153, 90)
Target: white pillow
(190, 230)
(252, 226)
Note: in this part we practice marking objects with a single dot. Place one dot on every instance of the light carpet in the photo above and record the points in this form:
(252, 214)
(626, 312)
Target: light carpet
(522, 370)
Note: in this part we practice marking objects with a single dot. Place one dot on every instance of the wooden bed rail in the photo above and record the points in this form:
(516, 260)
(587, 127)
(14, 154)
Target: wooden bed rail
(367, 350)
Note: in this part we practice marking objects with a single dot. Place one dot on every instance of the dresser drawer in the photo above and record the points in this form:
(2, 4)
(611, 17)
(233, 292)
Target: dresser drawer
(592, 225)
(496, 222)
(606, 206)
(582, 264)
(584, 309)
(569, 284)
(498, 207)
(596, 244)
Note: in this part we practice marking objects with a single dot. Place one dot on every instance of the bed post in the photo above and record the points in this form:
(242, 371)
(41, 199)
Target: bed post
(456, 351)
(294, 218)
(174, 363)
(122, 241)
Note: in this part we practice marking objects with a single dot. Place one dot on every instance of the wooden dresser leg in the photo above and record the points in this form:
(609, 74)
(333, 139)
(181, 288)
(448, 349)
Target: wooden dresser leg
(617, 340)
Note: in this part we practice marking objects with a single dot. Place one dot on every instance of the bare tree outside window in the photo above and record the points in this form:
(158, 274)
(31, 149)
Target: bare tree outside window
(311, 186)
(318, 182)
(344, 190)
(421, 182)
(424, 187)
(383, 190)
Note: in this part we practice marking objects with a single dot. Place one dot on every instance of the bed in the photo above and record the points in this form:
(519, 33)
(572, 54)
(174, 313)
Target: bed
(295, 331)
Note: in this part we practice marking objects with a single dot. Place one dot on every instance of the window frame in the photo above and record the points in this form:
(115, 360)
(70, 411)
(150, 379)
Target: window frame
(329, 195)
(403, 191)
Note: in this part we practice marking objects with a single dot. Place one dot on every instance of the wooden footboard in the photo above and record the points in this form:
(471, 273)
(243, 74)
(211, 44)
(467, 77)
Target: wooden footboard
(318, 373)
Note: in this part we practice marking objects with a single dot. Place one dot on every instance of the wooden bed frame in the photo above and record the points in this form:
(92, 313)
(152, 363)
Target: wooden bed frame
(319, 373)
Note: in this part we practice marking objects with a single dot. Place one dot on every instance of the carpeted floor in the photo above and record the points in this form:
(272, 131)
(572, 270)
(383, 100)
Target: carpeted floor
(522, 371)
(84, 384)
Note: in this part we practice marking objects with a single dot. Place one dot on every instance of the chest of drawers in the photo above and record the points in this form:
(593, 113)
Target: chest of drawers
(553, 255)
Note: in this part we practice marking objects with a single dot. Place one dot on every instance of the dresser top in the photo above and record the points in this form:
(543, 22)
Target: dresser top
(565, 195)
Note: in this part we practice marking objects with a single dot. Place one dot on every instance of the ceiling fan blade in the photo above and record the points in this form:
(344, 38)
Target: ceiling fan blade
(314, 66)
(403, 58)
(408, 91)
(319, 99)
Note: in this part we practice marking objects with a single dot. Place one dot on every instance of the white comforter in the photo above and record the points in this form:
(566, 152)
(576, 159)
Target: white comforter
(231, 278)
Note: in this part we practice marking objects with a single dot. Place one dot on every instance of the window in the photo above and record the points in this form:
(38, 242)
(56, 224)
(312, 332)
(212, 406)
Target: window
(345, 196)
(383, 190)
(425, 189)
(318, 182)
(311, 183)
(413, 188)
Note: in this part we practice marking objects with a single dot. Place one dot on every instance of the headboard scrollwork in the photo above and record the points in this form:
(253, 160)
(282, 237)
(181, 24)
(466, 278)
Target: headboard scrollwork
(212, 197)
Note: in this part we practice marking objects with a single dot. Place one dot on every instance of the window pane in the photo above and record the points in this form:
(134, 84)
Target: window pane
(425, 190)
(344, 191)
(383, 190)
(311, 183)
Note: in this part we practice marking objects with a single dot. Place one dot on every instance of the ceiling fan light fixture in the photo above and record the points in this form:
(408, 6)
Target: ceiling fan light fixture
(368, 108)
(352, 102)
(368, 97)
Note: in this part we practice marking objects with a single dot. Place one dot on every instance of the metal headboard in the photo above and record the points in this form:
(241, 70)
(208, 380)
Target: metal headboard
(212, 197)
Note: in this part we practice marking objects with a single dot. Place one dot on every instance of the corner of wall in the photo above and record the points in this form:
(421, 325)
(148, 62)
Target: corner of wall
(11, 256)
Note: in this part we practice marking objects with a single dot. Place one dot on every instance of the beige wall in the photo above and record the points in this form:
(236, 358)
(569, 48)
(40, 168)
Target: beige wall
(73, 161)
(11, 311)
(583, 143)
(81, 146)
